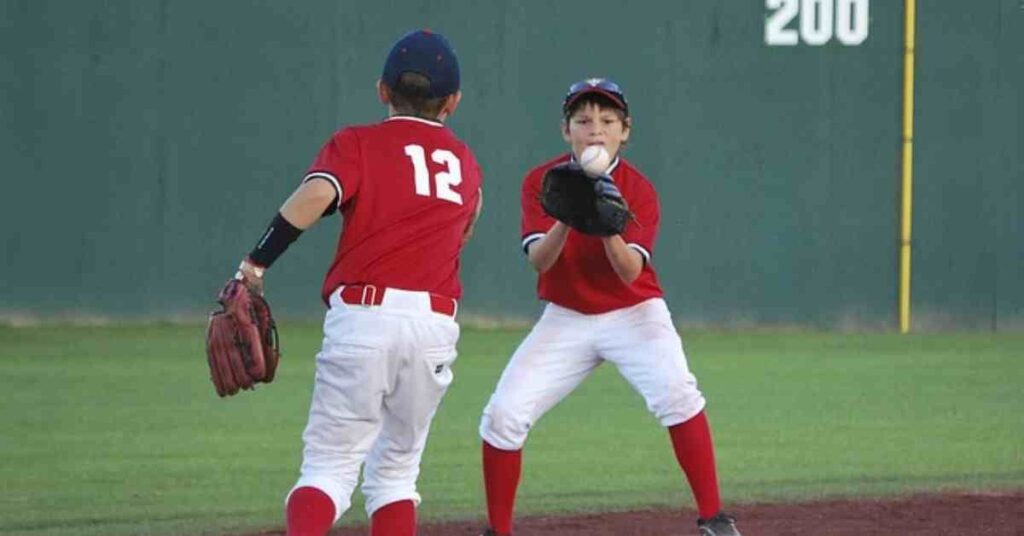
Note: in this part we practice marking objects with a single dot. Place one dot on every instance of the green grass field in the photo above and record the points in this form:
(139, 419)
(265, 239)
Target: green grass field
(118, 431)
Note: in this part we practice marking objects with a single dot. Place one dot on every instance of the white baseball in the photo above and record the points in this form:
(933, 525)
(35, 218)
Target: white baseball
(594, 160)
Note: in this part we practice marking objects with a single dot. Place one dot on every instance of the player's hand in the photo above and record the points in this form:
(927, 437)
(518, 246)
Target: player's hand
(252, 275)
(468, 233)
(604, 186)
(476, 217)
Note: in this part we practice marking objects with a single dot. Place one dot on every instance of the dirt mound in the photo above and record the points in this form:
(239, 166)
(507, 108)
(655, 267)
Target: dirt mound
(995, 514)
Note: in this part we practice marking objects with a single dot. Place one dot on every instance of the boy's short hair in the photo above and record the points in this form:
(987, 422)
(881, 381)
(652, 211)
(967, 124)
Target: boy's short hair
(410, 95)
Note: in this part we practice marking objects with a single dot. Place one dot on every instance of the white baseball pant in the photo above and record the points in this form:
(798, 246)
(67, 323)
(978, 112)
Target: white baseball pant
(565, 346)
(380, 376)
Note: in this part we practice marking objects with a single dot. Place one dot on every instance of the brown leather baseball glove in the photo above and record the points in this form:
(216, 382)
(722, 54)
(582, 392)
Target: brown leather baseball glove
(242, 347)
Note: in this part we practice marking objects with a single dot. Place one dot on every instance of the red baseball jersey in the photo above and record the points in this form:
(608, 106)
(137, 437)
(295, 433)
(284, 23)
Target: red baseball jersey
(582, 278)
(407, 191)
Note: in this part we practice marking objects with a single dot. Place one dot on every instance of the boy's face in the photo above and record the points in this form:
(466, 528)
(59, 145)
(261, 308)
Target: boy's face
(594, 125)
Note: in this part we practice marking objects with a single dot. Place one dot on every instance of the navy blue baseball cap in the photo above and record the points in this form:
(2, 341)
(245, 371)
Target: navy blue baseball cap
(601, 86)
(427, 53)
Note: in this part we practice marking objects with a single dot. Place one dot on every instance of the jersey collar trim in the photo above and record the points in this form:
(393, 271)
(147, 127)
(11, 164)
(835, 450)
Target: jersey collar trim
(416, 119)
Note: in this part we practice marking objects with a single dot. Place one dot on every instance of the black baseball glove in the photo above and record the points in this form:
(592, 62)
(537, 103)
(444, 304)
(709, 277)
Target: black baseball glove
(591, 205)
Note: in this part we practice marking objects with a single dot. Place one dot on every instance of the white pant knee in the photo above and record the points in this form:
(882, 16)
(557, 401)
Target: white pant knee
(340, 496)
(389, 476)
(380, 498)
(677, 406)
(502, 428)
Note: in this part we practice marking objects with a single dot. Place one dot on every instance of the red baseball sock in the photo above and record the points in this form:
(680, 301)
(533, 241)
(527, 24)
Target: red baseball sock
(394, 519)
(501, 478)
(695, 452)
(310, 512)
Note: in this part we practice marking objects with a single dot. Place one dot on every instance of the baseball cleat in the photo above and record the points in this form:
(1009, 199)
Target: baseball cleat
(722, 524)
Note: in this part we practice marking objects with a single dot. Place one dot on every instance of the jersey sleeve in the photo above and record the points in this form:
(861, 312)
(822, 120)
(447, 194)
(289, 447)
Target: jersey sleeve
(641, 232)
(535, 222)
(338, 162)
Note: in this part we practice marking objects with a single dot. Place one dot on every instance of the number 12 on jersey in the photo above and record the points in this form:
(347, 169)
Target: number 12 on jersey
(443, 180)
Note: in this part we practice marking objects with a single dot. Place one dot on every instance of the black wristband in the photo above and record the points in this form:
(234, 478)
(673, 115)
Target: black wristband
(280, 234)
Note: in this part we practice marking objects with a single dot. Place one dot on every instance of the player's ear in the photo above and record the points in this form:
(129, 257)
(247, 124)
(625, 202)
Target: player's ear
(451, 102)
(627, 127)
(565, 130)
(382, 93)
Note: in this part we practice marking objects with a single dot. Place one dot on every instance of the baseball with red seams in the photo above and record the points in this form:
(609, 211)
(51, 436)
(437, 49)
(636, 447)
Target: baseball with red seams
(594, 160)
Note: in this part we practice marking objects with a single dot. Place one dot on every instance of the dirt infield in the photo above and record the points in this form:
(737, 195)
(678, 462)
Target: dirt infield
(995, 514)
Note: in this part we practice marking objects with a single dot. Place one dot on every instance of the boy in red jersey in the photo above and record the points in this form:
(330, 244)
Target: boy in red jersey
(605, 304)
(409, 192)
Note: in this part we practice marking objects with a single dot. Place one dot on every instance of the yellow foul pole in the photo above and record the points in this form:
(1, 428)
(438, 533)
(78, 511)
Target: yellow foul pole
(910, 19)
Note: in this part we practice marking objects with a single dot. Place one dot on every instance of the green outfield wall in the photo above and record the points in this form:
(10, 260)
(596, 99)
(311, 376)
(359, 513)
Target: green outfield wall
(144, 146)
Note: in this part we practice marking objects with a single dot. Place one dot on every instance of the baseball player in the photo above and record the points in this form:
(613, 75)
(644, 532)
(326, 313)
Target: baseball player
(604, 304)
(409, 193)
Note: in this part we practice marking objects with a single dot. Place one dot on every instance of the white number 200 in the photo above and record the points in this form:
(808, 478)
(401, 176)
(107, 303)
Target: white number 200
(849, 18)
(443, 180)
